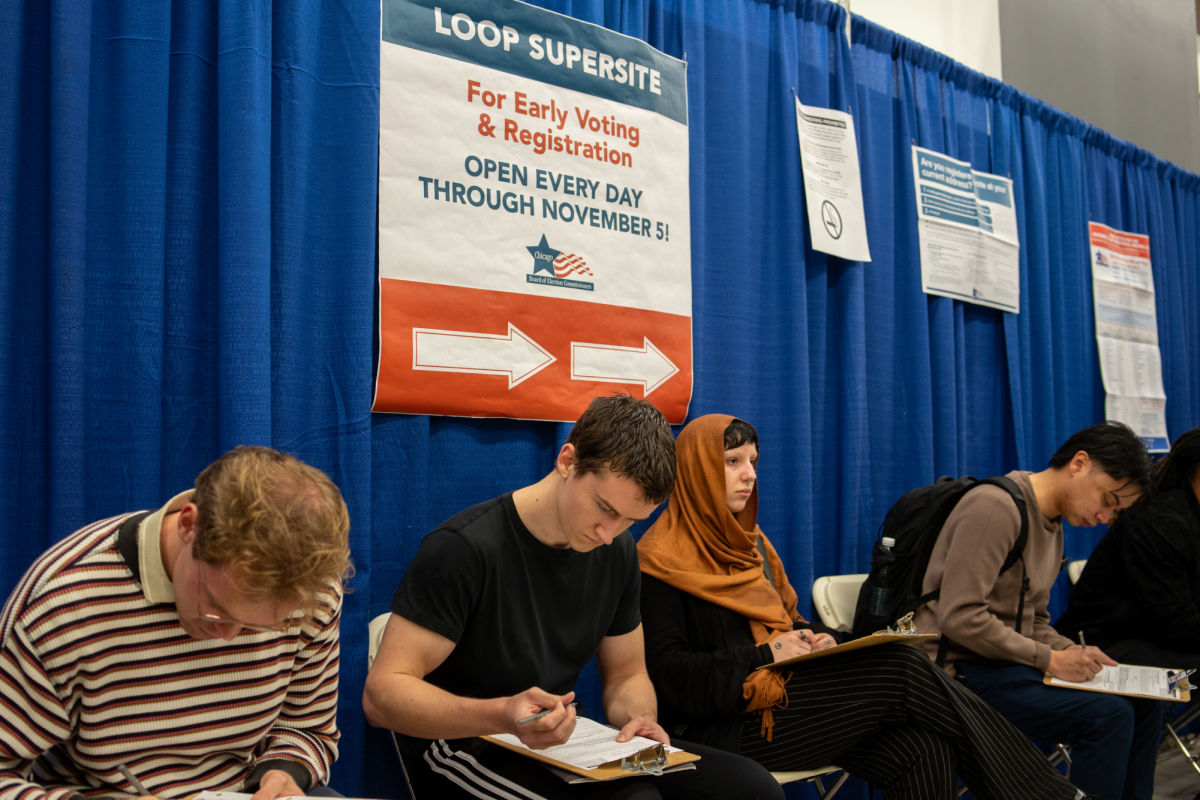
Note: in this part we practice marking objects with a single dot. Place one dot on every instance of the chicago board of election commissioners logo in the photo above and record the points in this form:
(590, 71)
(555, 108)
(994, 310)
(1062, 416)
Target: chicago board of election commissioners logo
(564, 269)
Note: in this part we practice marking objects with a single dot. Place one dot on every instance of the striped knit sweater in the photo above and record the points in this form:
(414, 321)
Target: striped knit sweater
(93, 675)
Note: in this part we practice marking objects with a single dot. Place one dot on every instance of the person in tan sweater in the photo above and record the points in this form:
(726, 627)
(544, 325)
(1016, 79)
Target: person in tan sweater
(1097, 471)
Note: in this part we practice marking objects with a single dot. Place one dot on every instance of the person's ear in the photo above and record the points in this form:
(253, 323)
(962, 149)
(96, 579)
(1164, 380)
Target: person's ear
(185, 525)
(1080, 463)
(564, 465)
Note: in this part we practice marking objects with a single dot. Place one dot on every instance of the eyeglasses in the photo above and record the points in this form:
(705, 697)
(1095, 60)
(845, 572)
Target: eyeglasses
(217, 619)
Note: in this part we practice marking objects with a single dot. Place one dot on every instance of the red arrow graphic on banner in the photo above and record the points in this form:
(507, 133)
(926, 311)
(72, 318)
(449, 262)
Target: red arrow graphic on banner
(612, 364)
(511, 354)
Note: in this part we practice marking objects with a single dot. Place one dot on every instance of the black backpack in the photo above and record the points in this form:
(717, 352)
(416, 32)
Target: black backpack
(914, 522)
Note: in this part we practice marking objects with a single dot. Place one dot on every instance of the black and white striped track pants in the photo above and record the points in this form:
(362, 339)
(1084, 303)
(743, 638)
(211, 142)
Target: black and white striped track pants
(476, 770)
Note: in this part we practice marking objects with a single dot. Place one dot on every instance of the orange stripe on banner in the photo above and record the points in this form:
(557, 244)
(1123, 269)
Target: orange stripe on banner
(552, 322)
(1128, 244)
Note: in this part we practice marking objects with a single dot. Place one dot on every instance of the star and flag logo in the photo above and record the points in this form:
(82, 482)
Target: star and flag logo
(564, 268)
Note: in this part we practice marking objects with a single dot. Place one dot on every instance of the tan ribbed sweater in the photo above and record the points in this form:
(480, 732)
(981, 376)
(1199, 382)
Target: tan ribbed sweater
(978, 607)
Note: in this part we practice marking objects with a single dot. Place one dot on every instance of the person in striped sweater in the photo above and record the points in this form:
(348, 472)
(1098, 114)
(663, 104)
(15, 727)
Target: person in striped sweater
(192, 647)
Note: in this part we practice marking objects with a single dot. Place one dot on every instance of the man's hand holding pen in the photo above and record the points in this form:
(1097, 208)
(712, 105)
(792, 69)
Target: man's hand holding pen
(540, 719)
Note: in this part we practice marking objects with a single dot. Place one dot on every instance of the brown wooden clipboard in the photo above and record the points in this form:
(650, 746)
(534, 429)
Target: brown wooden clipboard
(1184, 697)
(605, 772)
(873, 640)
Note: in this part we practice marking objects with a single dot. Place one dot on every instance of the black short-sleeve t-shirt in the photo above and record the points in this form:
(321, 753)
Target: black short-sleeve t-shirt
(521, 613)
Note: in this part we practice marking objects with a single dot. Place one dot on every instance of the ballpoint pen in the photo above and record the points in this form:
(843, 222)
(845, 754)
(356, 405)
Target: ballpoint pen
(540, 714)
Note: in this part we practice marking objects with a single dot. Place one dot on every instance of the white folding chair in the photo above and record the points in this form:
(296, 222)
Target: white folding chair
(1075, 569)
(835, 598)
(814, 776)
(374, 639)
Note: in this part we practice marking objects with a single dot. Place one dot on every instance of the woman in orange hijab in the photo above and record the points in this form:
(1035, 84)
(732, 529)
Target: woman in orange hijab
(716, 605)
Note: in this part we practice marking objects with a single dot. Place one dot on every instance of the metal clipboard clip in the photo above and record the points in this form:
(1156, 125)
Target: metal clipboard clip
(651, 761)
(904, 626)
(1178, 681)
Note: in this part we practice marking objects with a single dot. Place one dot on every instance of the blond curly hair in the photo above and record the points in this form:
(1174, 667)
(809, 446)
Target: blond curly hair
(281, 524)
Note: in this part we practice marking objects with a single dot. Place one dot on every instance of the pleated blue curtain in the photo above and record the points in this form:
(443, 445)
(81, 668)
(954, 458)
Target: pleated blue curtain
(187, 229)
(187, 197)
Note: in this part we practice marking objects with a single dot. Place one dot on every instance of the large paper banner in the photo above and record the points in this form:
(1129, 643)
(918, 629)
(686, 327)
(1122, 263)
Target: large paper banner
(1127, 333)
(967, 229)
(534, 242)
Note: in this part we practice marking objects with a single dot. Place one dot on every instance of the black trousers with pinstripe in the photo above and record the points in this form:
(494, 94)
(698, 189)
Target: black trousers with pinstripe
(890, 716)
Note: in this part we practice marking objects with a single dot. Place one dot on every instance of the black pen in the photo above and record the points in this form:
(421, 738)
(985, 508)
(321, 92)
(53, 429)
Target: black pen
(542, 713)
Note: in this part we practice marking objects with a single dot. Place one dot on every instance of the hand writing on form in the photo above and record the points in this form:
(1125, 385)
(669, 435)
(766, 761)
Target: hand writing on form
(553, 729)
(276, 783)
(1078, 663)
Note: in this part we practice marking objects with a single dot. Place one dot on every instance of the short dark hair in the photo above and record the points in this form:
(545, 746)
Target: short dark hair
(1178, 469)
(740, 432)
(1115, 449)
(629, 437)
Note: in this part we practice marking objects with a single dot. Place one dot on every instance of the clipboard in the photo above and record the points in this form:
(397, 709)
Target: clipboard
(873, 640)
(611, 771)
(1184, 695)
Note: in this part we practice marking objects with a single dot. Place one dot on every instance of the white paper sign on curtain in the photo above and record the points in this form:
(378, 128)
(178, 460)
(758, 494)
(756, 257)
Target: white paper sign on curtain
(837, 223)
(1127, 333)
(967, 228)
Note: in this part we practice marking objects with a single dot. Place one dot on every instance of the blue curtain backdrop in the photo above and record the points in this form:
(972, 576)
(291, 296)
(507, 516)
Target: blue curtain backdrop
(187, 243)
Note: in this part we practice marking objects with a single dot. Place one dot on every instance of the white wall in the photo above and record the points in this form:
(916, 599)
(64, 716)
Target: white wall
(1123, 65)
(966, 30)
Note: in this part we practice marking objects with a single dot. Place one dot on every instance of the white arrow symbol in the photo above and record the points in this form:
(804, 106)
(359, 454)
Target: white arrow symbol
(612, 364)
(512, 354)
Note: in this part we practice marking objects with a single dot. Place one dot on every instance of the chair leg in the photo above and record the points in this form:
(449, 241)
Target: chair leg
(1191, 758)
(826, 795)
(1065, 752)
(403, 768)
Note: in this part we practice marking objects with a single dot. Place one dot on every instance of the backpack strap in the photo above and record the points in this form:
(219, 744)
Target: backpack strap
(1018, 549)
(1014, 555)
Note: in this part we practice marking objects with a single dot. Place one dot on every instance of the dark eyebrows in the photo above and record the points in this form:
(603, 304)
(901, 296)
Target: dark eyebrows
(608, 508)
(1136, 490)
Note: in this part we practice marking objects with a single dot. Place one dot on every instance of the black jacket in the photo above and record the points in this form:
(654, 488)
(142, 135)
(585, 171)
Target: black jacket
(1143, 579)
(698, 655)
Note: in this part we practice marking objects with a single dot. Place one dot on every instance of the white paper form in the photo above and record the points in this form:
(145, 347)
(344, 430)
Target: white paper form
(1138, 413)
(591, 744)
(1126, 679)
(1127, 332)
(1131, 369)
(967, 229)
(832, 182)
(1124, 312)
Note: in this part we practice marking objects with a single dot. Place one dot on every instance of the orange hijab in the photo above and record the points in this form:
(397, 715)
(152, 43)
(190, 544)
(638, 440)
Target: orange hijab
(700, 547)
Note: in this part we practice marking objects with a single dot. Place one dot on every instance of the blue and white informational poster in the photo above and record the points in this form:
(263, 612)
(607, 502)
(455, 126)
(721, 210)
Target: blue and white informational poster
(534, 236)
(1127, 333)
(837, 223)
(967, 227)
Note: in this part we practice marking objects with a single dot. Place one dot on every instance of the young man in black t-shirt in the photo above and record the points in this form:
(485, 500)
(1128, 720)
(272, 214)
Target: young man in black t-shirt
(506, 602)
